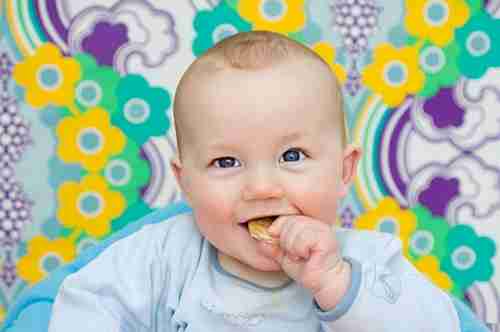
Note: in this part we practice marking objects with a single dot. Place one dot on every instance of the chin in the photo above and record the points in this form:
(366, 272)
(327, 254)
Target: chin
(271, 269)
(266, 265)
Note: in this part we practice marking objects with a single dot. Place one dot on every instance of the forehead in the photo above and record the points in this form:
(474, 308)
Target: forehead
(291, 95)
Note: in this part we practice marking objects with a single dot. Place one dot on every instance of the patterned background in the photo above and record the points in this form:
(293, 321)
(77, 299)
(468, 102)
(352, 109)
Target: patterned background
(85, 122)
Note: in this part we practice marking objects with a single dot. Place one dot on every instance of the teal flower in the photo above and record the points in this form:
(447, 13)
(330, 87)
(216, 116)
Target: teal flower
(132, 214)
(96, 86)
(439, 66)
(232, 3)
(141, 109)
(429, 238)
(479, 41)
(211, 26)
(127, 172)
(468, 256)
(475, 6)
(457, 292)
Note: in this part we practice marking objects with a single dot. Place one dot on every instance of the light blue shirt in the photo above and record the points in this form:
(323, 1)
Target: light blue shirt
(166, 277)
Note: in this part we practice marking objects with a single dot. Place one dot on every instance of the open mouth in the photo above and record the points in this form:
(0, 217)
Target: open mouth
(270, 219)
(258, 228)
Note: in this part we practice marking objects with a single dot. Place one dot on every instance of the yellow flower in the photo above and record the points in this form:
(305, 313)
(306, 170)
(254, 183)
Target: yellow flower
(327, 52)
(48, 77)
(429, 265)
(394, 73)
(435, 19)
(43, 256)
(89, 139)
(389, 218)
(89, 205)
(275, 15)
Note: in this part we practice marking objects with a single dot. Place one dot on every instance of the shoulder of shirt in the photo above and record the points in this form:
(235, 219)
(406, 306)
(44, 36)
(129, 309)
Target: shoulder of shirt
(180, 227)
(174, 241)
(179, 244)
(368, 246)
(177, 234)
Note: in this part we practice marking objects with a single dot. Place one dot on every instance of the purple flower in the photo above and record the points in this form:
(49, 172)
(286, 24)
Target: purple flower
(347, 217)
(104, 41)
(438, 194)
(443, 109)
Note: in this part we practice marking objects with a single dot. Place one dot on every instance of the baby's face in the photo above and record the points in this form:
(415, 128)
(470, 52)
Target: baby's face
(259, 143)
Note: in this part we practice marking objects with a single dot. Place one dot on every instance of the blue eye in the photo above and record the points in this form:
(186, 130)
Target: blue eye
(293, 155)
(225, 162)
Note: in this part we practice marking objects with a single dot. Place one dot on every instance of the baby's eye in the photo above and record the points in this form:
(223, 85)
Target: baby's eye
(292, 155)
(225, 162)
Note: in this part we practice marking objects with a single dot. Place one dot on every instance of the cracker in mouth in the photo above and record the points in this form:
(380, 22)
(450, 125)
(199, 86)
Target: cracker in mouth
(258, 229)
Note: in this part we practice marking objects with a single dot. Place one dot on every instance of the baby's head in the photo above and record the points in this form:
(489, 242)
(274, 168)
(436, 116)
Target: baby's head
(260, 131)
(253, 52)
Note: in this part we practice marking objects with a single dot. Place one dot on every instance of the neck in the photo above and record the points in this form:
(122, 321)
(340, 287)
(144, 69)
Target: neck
(267, 279)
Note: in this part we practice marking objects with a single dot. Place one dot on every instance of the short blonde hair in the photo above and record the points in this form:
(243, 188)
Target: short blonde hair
(251, 51)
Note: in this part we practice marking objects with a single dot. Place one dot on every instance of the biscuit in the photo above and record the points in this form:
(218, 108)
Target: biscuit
(258, 229)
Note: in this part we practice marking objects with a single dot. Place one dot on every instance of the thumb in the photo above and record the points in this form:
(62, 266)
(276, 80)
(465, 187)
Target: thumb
(271, 250)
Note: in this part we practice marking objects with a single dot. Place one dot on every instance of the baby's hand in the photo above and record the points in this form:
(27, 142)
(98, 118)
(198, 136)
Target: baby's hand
(309, 253)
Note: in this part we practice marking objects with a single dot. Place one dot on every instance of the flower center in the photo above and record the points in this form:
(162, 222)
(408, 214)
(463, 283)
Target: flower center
(432, 59)
(422, 242)
(118, 172)
(478, 43)
(436, 12)
(463, 258)
(90, 204)
(395, 73)
(388, 225)
(49, 77)
(223, 31)
(90, 141)
(137, 111)
(273, 10)
(50, 262)
(88, 93)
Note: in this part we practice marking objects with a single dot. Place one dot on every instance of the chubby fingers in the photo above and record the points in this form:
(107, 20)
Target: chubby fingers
(297, 235)
(272, 250)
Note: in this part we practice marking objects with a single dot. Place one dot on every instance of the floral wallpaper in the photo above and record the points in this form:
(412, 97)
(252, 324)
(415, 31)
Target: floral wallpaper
(85, 123)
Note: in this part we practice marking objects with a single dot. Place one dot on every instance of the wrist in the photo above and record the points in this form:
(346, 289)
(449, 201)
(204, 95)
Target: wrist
(335, 286)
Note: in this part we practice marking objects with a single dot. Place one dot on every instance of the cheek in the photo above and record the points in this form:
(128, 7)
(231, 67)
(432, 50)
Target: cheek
(213, 199)
(213, 213)
(317, 197)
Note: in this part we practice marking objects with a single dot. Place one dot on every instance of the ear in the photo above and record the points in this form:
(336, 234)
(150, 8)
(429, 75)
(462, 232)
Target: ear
(350, 159)
(176, 167)
(177, 170)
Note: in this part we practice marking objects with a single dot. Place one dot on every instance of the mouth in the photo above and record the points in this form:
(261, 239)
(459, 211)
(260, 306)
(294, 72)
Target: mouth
(257, 228)
(246, 223)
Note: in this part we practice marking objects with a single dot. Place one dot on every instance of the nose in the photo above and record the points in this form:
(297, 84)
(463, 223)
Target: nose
(262, 183)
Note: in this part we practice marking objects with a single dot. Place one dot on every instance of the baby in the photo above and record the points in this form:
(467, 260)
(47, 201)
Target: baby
(260, 133)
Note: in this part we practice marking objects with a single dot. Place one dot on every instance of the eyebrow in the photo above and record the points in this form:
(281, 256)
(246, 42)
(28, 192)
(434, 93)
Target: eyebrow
(292, 137)
(283, 140)
(218, 146)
